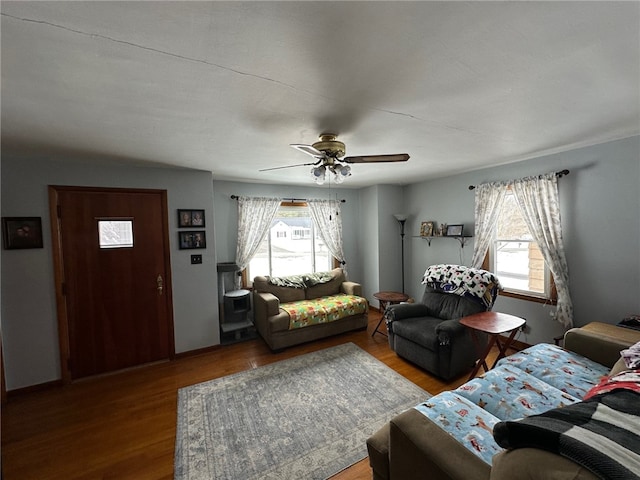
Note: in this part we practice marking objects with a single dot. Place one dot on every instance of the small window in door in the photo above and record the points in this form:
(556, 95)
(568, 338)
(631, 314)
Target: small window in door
(115, 233)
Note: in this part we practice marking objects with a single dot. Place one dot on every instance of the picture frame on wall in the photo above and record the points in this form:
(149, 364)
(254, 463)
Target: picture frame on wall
(454, 230)
(21, 232)
(192, 239)
(190, 218)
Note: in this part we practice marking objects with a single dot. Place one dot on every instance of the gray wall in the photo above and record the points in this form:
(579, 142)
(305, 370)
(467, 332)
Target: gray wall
(369, 241)
(600, 202)
(390, 202)
(380, 240)
(600, 214)
(29, 323)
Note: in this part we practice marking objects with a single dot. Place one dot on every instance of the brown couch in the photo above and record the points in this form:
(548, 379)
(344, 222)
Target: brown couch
(272, 322)
(412, 447)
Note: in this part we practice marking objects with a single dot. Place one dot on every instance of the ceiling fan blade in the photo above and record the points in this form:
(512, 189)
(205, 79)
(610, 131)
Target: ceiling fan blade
(290, 166)
(309, 150)
(397, 157)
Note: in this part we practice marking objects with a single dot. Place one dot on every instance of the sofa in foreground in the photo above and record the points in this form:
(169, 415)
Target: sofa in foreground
(451, 435)
(301, 308)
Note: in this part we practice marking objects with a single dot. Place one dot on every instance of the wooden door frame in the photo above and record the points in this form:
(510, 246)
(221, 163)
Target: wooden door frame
(3, 386)
(58, 266)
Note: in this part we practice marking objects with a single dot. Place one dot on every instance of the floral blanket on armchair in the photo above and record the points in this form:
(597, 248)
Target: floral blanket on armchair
(473, 283)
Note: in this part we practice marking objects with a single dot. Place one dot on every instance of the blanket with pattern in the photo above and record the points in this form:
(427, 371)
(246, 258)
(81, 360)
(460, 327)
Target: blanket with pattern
(473, 283)
(602, 434)
(302, 281)
(323, 310)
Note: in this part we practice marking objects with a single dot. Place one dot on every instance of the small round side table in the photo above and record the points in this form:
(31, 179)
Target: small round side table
(386, 299)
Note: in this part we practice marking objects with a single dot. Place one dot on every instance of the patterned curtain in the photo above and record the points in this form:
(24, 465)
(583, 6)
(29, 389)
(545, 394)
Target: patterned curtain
(326, 216)
(254, 219)
(489, 199)
(538, 201)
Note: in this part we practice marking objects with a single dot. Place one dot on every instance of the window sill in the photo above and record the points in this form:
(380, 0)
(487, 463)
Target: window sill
(530, 298)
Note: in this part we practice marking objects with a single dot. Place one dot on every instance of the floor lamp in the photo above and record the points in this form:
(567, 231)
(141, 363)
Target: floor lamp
(402, 218)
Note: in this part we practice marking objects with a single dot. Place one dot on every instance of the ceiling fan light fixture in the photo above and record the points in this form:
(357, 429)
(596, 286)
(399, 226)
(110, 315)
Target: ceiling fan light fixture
(342, 172)
(329, 154)
(319, 174)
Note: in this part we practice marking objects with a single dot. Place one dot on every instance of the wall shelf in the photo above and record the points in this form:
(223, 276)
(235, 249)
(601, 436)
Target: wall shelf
(461, 238)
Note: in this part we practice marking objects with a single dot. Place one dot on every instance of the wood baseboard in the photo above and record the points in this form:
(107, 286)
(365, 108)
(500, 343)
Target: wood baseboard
(519, 346)
(34, 388)
(193, 353)
(58, 383)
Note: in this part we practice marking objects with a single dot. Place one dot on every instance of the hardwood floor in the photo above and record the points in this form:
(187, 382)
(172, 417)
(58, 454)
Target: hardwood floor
(123, 426)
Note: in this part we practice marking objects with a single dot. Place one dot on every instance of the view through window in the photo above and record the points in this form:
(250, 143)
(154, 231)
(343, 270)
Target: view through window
(515, 256)
(115, 233)
(292, 246)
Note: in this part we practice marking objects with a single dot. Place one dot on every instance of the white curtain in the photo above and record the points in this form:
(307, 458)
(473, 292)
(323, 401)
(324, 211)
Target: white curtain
(538, 201)
(254, 219)
(489, 200)
(326, 216)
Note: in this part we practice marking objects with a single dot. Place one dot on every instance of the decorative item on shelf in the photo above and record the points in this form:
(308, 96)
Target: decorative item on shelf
(444, 231)
(454, 230)
(426, 229)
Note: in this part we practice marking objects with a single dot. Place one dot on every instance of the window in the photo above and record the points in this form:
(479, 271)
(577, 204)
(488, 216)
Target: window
(515, 257)
(301, 233)
(293, 246)
(115, 233)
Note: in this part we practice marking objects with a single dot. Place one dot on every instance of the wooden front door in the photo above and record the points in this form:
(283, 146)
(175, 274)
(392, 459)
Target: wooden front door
(111, 251)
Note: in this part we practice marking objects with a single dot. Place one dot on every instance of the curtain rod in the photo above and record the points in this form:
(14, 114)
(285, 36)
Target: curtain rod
(559, 174)
(235, 197)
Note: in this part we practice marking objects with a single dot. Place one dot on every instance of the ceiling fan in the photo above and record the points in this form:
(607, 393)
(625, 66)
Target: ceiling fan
(329, 153)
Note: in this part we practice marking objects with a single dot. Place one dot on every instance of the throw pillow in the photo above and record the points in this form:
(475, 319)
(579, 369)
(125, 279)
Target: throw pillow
(618, 367)
(631, 356)
(626, 380)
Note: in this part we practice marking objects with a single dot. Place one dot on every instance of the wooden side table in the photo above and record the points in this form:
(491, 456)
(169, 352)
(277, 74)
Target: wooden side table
(492, 323)
(385, 299)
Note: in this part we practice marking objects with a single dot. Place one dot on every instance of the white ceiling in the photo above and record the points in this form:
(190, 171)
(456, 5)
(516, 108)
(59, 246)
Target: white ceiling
(227, 86)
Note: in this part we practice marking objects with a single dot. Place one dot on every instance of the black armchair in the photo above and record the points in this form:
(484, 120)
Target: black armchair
(429, 333)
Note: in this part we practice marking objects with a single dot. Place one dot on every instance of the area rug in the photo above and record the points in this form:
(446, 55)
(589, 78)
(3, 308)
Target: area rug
(307, 417)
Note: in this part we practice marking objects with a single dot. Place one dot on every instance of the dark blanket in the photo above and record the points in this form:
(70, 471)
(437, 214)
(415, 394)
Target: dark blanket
(301, 281)
(601, 434)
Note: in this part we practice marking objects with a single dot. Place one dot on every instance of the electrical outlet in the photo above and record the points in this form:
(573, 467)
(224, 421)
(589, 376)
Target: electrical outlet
(196, 259)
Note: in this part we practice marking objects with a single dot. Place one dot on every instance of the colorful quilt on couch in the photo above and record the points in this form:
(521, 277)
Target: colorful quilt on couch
(323, 310)
(531, 382)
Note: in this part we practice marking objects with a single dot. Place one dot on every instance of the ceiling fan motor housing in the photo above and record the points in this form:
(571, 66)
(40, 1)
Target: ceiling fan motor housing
(330, 146)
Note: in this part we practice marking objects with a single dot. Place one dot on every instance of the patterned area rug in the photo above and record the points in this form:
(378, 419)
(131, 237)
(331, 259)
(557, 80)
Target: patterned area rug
(306, 417)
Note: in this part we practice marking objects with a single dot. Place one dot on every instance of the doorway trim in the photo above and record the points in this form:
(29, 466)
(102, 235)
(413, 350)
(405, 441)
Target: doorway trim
(58, 267)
